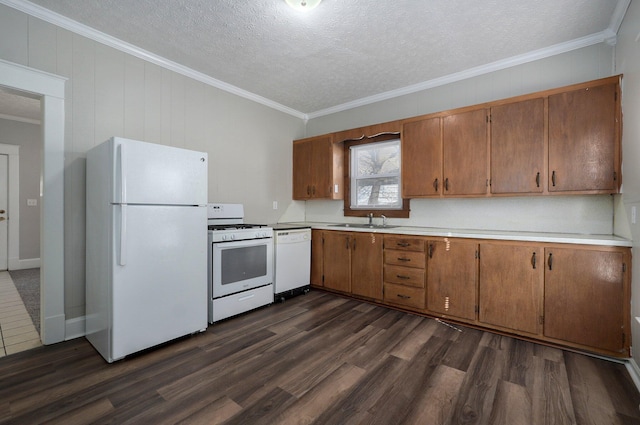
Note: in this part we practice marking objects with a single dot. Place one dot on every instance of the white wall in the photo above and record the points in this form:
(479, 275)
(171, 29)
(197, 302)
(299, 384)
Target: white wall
(28, 137)
(575, 214)
(110, 93)
(628, 62)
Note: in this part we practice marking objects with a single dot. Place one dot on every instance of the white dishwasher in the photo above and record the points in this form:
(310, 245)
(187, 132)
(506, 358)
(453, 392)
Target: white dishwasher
(292, 258)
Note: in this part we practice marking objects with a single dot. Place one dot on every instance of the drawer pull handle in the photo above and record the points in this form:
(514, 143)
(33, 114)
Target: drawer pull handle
(550, 261)
(404, 259)
(533, 260)
(404, 297)
(538, 179)
(435, 184)
(403, 244)
(399, 276)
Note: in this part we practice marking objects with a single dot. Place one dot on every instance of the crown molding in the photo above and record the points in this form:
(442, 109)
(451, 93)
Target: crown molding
(604, 36)
(100, 37)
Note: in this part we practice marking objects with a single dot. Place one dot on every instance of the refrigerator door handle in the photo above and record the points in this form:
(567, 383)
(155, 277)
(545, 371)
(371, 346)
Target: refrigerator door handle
(122, 259)
(123, 175)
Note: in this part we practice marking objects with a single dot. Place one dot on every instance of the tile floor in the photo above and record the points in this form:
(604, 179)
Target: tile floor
(17, 332)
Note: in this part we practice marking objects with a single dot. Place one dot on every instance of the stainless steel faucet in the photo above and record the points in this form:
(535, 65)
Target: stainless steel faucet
(384, 219)
(370, 215)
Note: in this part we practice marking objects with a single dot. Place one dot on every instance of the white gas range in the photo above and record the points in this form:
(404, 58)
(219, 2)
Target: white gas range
(240, 266)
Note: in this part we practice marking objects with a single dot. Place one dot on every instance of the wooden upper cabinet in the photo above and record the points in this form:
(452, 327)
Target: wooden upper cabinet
(511, 286)
(517, 147)
(586, 297)
(466, 153)
(584, 132)
(422, 158)
(317, 168)
(452, 278)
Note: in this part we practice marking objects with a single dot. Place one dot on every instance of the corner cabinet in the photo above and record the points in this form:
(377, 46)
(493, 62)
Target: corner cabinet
(317, 168)
(584, 139)
(586, 298)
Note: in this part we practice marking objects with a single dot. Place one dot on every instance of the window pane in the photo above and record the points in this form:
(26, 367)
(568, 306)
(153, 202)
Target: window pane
(372, 160)
(375, 175)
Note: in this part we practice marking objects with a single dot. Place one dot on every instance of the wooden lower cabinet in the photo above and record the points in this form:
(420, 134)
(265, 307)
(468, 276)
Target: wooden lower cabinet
(316, 258)
(511, 286)
(452, 277)
(366, 265)
(572, 295)
(587, 296)
(351, 262)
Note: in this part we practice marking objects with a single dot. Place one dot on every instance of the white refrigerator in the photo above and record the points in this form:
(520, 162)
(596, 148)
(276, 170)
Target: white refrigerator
(146, 245)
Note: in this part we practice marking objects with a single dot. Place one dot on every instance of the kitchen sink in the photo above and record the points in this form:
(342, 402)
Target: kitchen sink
(364, 226)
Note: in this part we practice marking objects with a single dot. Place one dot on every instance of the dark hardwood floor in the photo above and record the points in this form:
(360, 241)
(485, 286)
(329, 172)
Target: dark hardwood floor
(320, 359)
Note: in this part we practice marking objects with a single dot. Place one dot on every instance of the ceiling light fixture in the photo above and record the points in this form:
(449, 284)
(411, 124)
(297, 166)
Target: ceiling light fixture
(303, 5)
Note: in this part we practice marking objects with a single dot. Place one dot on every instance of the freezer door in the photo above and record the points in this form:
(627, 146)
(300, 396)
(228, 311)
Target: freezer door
(148, 173)
(159, 275)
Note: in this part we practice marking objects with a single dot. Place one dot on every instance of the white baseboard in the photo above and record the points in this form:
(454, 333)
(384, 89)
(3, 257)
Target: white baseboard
(74, 328)
(634, 372)
(18, 264)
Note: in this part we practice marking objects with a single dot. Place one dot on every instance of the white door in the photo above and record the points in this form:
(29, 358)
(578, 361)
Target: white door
(4, 190)
(148, 173)
(160, 280)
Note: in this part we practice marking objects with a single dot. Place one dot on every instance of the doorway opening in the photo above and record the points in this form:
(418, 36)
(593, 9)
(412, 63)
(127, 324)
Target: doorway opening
(50, 89)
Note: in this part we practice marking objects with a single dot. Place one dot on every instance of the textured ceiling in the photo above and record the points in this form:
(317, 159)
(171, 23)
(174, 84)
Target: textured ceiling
(344, 50)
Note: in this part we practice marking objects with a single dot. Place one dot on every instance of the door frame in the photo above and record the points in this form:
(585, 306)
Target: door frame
(51, 90)
(13, 203)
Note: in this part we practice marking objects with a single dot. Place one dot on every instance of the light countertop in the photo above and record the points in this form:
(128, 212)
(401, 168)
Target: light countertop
(571, 238)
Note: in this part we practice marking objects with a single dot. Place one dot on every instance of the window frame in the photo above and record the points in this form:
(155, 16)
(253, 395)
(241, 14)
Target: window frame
(402, 212)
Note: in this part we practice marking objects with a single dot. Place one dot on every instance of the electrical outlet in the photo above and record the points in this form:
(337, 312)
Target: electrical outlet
(32, 202)
(275, 205)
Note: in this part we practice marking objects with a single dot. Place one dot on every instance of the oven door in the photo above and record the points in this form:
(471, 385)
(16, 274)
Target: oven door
(241, 265)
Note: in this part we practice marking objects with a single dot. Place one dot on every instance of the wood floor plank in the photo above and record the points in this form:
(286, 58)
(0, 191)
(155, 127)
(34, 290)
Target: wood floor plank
(511, 406)
(435, 404)
(589, 395)
(322, 359)
(327, 392)
(476, 397)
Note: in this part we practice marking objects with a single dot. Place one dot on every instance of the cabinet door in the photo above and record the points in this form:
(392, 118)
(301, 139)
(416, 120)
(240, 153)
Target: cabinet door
(421, 158)
(366, 265)
(510, 286)
(584, 297)
(302, 170)
(316, 257)
(517, 147)
(322, 167)
(452, 276)
(465, 153)
(337, 261)
(583, 140)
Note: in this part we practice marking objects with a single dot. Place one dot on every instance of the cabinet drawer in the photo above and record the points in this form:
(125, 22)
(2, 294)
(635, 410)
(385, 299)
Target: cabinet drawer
(404, 244)
(404, 295)
(405, 258)
(404, 276)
